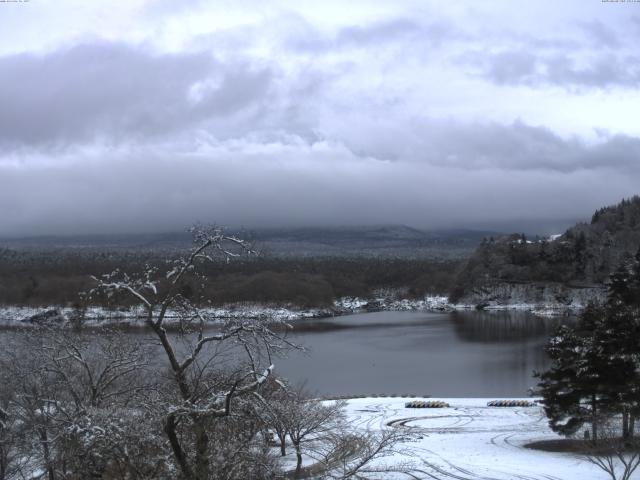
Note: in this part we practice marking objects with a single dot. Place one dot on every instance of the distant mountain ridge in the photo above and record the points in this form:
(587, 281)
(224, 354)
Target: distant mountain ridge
(538, 269)
(367, 241)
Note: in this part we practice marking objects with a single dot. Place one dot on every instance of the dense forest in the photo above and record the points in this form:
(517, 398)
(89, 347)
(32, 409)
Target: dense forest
(586, 254)
(55, 277)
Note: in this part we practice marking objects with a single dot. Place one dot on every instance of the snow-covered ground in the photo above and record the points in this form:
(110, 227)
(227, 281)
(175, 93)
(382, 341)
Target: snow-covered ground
(470, 440)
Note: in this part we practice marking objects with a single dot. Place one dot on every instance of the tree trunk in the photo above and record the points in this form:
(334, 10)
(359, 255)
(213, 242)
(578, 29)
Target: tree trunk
(46, 453)
(632, 425)
(178, 452)
(298, 459)
(283, 446)
(3, 463)
(202, 451)
(625, 423)
(4, 454)
(594, 419)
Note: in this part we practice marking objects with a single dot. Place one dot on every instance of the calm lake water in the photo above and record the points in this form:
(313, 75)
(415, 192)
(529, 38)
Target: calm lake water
(460, 354)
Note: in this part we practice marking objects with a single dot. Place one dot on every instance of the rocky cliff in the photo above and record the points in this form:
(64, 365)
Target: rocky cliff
(535, 295)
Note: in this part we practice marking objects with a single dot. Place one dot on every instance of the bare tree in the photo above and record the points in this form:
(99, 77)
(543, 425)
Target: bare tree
(115, 443)
(58, 381)
(95, 370)
(310, 424)
(200, 398)
(13, 456)
(33, 406)
(617, 456)
(362, 455)
(274, 411)
(320, 429)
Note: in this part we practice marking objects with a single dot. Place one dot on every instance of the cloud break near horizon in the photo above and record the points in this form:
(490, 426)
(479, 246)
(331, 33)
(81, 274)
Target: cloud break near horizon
(150, 115)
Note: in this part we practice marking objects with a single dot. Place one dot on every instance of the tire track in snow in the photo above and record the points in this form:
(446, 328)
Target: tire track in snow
(461, 420)
(454, 427)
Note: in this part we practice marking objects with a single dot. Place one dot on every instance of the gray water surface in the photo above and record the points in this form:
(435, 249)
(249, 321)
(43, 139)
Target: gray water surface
(460, 354)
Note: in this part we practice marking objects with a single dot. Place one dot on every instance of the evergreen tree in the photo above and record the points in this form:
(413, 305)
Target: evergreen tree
(618, 289)
(596, 365)
(579, 387)
(621, 338)
(558, 386)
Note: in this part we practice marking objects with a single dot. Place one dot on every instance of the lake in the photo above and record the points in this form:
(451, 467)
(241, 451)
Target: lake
(459, 354)
(454, 354)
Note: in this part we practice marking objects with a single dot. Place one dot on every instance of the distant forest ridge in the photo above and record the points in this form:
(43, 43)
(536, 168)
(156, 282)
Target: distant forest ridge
(348, 241)
(585, 255)
(306, 267)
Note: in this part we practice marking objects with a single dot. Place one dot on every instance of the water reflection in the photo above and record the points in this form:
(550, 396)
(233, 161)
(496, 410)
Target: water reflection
(487, 326)
(460, 354)
(448, 354)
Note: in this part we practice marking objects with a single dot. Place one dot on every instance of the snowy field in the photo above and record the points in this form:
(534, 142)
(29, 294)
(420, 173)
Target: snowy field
(471, 441)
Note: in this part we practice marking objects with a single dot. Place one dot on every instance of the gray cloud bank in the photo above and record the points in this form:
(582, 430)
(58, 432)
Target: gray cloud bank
(394, 121)
(114, 91)
(309, 184)
(516, 67)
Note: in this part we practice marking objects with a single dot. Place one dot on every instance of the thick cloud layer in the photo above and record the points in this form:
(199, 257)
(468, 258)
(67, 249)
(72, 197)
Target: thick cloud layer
(313, 185)
(159, 116)
(116, 92)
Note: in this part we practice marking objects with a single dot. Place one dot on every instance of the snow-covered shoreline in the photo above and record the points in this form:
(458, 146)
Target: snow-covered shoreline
(13, 316)
(96, 316)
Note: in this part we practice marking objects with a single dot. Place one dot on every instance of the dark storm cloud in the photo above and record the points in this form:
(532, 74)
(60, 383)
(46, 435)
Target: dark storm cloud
(114, 91)
(134, 194)
(621, 153)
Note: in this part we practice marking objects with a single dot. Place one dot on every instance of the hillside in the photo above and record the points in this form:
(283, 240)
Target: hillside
(564, 269)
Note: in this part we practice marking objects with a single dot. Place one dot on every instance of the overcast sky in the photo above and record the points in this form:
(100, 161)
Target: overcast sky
(148, 115)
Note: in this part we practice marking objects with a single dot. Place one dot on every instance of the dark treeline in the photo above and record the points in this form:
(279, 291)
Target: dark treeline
(55, 277)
